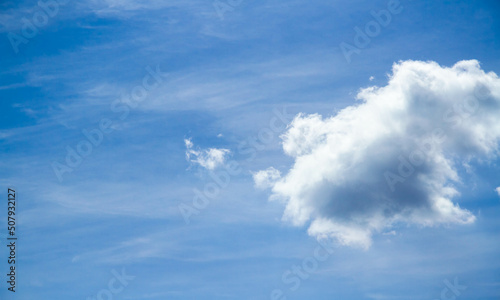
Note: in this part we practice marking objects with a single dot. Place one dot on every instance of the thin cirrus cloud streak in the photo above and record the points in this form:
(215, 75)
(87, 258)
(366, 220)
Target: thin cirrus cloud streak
(393, 157)
(123, 6)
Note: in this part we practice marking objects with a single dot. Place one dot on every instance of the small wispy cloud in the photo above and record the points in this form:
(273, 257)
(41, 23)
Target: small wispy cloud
(392, 232)
(207, 158)
(266, 178)
(498, 190)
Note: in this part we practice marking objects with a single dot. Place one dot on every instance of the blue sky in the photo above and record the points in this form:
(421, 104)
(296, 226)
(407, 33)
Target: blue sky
(227, 80)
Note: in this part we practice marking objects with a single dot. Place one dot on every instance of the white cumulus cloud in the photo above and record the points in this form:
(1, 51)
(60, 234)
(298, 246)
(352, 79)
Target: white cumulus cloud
(498, 190)
(208, 158)
(393, 157)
